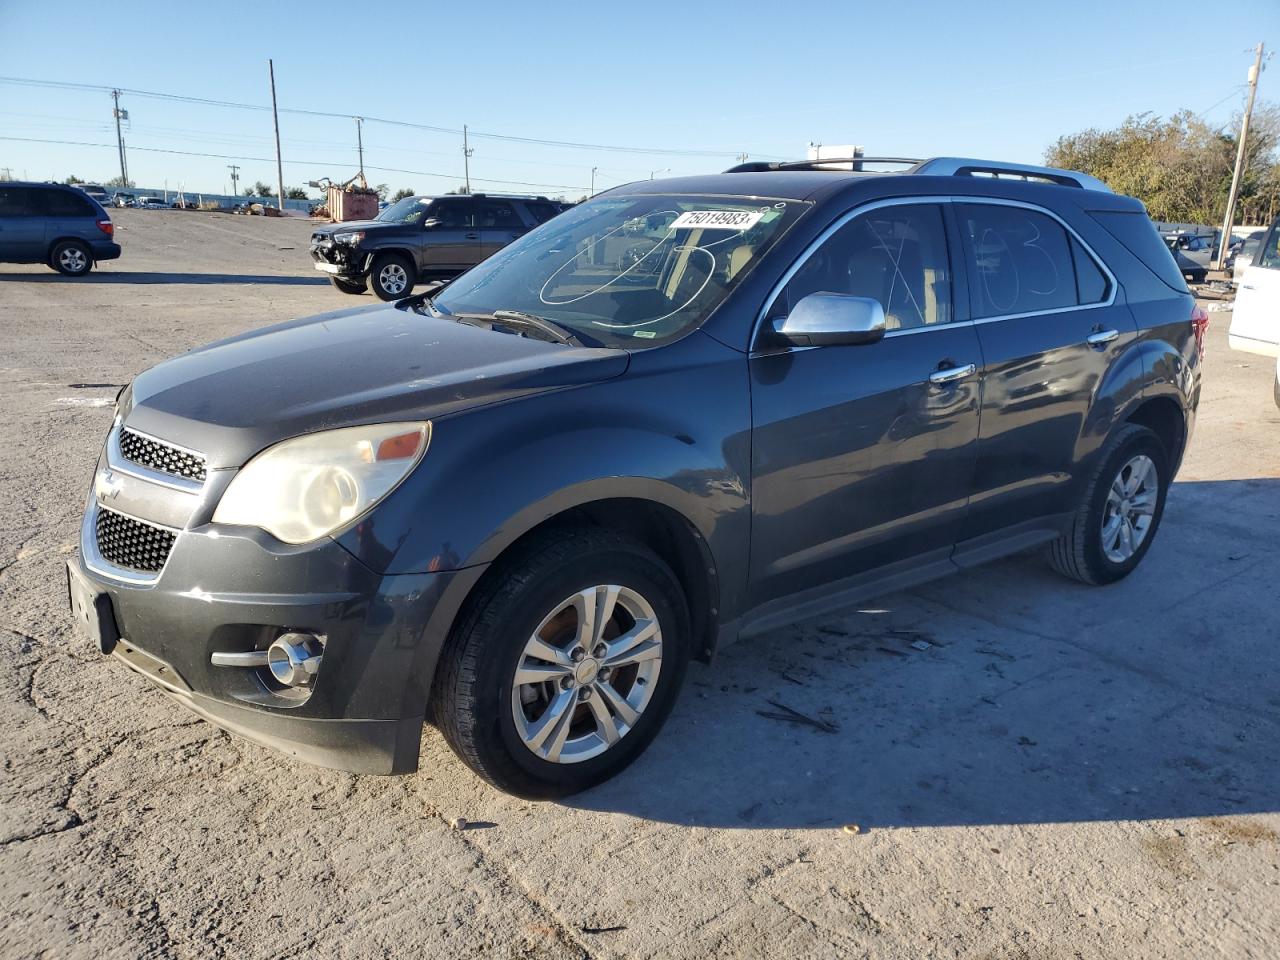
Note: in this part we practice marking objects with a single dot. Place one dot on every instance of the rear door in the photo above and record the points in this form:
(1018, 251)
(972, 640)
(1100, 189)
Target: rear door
(500, 223)
(69, 215)
(451, 243)
(862, 456)
(1050, 323)
(1255, 321)
(21, 225)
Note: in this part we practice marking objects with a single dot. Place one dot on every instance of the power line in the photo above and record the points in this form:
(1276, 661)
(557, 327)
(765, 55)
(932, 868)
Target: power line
(303, 163)
(231, 104)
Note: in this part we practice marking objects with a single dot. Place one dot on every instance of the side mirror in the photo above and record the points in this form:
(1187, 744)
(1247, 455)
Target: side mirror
(430, 223)
(831, 319)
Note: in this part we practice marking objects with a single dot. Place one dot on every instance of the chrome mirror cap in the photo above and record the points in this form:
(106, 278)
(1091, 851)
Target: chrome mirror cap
(829, 319)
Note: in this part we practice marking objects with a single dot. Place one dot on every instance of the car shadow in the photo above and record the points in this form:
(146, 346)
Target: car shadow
(145, 277)
(1001, 695)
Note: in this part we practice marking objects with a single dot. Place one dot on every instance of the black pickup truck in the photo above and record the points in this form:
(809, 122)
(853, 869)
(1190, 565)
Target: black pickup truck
(424, 238)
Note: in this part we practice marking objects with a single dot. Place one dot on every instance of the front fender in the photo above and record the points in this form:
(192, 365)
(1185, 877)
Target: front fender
(675, 437)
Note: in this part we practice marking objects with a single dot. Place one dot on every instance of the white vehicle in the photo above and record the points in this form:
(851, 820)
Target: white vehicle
(152, 203)
(1255, 321)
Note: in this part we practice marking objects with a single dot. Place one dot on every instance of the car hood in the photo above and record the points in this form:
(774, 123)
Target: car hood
(231, 399)
(348, 225)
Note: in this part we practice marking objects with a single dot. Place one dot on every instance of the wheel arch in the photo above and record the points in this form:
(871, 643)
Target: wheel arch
(53, 245)
(659, 526)
(1163, 416)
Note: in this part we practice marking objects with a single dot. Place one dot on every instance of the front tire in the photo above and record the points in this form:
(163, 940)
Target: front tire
(71, 258)
(566, 664)
(349, 286)
(1120, 511)
(391, 277)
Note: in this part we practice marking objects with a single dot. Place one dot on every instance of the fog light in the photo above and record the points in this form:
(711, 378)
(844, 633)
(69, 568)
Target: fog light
(294, 659)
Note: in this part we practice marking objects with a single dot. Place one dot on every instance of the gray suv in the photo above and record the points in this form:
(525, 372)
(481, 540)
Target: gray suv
(423, 238)
(55, 225)
(683, 412)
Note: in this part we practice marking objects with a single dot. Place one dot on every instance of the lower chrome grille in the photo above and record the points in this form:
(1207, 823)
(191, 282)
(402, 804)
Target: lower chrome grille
(132, 544)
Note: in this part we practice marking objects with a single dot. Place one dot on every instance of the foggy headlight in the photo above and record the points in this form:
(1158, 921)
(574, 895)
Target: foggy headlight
(304, 488)
(350, 239)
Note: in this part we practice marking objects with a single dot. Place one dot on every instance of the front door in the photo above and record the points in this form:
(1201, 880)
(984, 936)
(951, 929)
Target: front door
(1050, 323)
(450, 238)
(1255, 322)
(862, 456)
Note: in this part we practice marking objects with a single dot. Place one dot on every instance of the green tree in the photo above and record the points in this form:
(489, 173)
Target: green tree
(260, 189)
(1180, 167)
(72, 180)
(295, 193)
(119, 183)
(402, 194)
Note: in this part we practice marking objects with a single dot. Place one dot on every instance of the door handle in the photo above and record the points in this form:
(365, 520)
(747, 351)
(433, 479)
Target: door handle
(472, 236)
(1101, 337)
(952, 374)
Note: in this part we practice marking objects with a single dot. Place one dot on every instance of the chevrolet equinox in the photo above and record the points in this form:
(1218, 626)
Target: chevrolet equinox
(683, 412)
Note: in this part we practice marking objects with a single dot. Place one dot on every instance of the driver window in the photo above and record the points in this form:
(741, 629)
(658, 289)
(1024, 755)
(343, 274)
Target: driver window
(896, 255)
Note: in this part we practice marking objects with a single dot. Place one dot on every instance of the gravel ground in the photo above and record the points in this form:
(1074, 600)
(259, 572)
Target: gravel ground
(1064, 772)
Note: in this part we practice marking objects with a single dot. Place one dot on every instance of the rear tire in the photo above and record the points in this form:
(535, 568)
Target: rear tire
(349, 286)
(1120, 510)
(391, 277)
(612, 690)
(71, 258)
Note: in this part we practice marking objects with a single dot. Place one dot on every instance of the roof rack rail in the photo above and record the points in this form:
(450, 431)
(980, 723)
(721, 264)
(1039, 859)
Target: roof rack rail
(967, 167)
(827, 164)
(935, 167)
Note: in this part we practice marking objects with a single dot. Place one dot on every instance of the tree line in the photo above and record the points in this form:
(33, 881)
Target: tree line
(1181, 166)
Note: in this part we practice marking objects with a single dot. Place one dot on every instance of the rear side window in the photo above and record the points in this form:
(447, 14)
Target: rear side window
(1269, 255)
(64, 203)
(542, 210)
(498, 214)
(1020, 261)
(1139, 237)
(895, 254)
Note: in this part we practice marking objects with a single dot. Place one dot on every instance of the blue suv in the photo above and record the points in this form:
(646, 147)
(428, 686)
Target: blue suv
(60, 226)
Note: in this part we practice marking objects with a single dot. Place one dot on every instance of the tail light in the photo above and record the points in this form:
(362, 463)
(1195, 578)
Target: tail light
(1199, 324)
(107, 227)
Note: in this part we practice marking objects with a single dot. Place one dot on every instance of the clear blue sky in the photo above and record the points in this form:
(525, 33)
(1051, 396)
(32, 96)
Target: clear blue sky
(998, 79)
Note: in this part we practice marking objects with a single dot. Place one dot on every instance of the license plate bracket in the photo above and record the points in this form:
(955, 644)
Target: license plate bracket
(91, 609)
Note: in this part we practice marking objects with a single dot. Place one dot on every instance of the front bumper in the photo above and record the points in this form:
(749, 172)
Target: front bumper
(339, 260)
(235, 589)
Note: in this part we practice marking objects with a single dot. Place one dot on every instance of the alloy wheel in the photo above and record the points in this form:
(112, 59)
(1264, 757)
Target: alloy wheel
(72, 259)
(1130, 508)
(586, 674)
(393, 278)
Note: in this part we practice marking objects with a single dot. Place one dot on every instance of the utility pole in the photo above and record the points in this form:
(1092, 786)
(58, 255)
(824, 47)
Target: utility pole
(235, 178)
(1239, 170)
(360, 144)
(466, 158)
(124, 170)
(593, 182)
(275, 116)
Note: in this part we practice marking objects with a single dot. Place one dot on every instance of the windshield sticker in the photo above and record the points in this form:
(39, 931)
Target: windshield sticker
(717, 220)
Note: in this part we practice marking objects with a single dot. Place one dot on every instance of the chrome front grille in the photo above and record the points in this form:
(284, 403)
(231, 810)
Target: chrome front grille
(124, 541)
(158, 455)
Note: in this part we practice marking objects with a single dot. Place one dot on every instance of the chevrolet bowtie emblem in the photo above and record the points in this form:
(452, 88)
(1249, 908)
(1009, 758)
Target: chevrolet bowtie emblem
(107, 485)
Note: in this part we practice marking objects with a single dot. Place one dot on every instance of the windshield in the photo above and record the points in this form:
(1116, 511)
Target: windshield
(627, 271)
(408, 210)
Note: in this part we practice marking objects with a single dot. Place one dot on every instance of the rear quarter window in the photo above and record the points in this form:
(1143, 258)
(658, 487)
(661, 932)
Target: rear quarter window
(1138, 235)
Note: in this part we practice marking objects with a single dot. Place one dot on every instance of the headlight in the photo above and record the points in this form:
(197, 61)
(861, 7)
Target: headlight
(350, 239)
(302, 489)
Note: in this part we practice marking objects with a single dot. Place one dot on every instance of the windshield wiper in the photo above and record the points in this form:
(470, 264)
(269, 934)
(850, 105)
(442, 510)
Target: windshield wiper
(549, 327)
